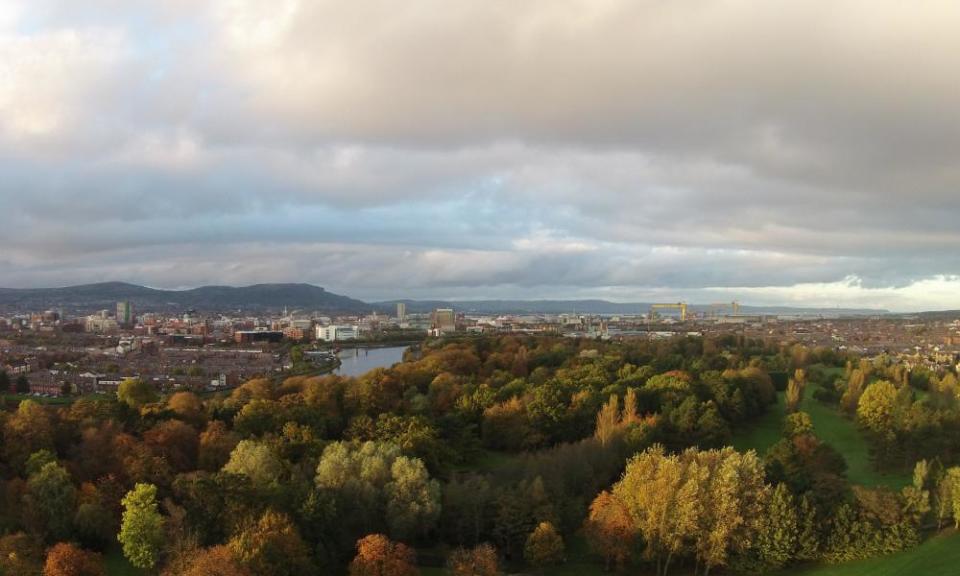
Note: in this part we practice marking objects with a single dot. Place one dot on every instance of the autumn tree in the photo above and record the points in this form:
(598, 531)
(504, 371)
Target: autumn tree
(216, 561)
(479, 561)
(215, 445)
(948, 497)
(27, 431)
(377, 555)
(188, 406)
(610, 530)
(20, 555)
(68, 560)
(141, 530)
(794, 395)
(708, 502)
(544, 546)
(175, 441)
(272, 546)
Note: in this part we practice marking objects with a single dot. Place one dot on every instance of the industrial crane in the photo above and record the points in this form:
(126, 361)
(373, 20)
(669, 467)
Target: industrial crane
(733, 306)
(678, 306)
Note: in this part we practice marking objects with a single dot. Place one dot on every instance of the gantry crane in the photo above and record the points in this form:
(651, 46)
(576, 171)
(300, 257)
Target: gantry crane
(733, 306)
(678, 306)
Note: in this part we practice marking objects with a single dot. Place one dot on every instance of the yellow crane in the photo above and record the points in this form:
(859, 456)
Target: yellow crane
(733, 306)
(678, 306)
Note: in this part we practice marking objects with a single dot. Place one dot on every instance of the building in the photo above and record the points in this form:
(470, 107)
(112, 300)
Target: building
(443, 321)
(251, 336)
(334, 333)
(124, 314)
(401, 311)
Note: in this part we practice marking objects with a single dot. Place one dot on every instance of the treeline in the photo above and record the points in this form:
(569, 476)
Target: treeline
(480, 453)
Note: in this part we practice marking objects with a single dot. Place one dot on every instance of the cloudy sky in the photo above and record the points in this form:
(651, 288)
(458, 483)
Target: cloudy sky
(798, 152)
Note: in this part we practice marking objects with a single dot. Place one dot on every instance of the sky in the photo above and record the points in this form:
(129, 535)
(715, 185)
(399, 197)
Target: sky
(799, 152)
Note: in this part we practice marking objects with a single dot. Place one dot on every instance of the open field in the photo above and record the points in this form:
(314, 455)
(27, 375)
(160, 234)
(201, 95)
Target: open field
(937, 556)
(831, 427)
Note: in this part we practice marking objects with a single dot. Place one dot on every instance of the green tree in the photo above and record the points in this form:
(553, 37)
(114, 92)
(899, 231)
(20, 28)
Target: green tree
(135, 392)
(777, 539)
(544, 546)
(50, 501)
(413, 499)
(257, 461)
(23, 384)
(141, 530)
(808, 536)
(4, 381)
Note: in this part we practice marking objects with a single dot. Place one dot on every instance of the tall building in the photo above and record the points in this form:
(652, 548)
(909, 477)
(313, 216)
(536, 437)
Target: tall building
(124, 313)
(401, 311)
(444, 320)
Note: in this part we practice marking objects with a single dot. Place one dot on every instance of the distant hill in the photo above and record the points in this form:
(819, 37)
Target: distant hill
(602, 307)
(89, 298)
(92, 297)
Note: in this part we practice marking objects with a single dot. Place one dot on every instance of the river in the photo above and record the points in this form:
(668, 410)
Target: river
(357, 361)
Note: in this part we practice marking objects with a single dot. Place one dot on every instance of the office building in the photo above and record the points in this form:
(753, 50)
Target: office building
(334, 333)
(125, 314)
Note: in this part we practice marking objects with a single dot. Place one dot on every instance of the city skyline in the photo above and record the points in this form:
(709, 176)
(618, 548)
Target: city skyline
(795, 154)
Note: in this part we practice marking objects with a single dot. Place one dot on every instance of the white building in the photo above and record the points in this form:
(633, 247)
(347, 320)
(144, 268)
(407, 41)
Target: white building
(335, 333)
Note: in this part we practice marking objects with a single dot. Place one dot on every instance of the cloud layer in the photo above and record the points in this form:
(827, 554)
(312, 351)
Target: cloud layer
(798, 152)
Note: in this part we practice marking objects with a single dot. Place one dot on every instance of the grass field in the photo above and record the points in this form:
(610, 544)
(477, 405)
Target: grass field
(938, 556)
(117, 565)
(831, 427)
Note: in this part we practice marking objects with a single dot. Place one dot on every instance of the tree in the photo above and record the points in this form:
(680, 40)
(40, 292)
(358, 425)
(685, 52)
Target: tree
(777, 539)
(27, 431)
(135, 392)
(51, 498)
(141, 530)
(378, 556)
(216, 561)
(808, 536)
(413, 499)
(480, 561)
(794, 395)
(188, 406)
(797, 424)
(610, 531)
(876, 408)
(709, 502)
(20, 555)
(23, 384)
(257, 461)
(4, 381)
(216, 444)
(544, 546)
(272, 547)
(948, 496)
(68, 560)
(175, 441)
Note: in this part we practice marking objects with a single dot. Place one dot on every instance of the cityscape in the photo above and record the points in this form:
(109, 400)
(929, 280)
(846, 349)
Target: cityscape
(54, 354)
(479, 288)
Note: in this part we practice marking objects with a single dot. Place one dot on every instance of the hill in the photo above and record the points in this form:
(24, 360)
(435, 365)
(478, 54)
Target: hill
(92, 297)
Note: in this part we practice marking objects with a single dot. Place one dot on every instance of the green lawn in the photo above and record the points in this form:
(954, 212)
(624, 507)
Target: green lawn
(15, 399)
(117, 565)
(763, 433)
(937, 556)
(831, 427)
